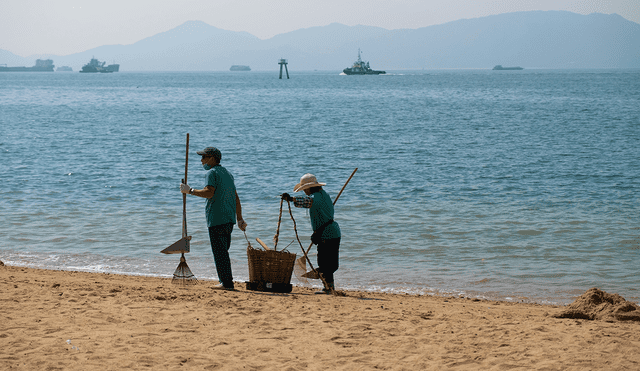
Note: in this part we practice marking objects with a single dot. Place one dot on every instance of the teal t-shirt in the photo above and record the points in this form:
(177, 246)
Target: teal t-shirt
(221, 208)
(321, 212)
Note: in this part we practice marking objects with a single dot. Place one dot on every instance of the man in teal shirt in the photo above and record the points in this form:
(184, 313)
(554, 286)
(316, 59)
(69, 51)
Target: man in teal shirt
(222, 210)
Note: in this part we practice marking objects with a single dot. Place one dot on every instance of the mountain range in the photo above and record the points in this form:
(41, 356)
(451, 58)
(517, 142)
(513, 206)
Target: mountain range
(531, 39)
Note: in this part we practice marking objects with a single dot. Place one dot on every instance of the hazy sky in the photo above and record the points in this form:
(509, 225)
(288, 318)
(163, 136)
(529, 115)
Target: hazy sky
(64, 27)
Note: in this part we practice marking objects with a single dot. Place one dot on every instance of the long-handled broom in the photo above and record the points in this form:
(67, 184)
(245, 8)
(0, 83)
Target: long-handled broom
(183, 274)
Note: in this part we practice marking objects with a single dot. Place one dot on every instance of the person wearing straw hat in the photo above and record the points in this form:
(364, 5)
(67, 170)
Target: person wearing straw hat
(222, 210)
(326, 231)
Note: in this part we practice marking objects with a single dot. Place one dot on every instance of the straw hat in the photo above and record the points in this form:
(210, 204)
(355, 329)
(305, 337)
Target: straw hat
(307, 181)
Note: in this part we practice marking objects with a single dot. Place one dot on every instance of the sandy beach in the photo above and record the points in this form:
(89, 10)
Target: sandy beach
(61, 320)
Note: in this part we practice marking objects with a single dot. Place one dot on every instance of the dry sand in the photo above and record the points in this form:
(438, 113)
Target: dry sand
(58, 320)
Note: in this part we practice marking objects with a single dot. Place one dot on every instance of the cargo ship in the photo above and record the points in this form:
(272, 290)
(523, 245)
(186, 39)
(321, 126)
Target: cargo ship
(96, 66)
(64, 69)
(500, 68)
(237, 67)
(361, 68)
(42, 65)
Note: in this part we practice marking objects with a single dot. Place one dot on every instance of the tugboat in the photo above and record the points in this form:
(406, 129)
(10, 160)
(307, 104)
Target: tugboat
(96, 66)
(361, 68)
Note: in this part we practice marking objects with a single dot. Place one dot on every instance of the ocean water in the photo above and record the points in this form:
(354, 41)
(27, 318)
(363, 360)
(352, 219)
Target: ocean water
(510, 185)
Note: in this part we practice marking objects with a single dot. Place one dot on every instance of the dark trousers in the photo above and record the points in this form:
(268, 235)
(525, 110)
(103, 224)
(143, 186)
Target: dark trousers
(220, 237)
(328, 258)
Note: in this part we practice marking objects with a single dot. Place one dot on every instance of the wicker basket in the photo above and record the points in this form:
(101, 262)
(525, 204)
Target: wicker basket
(274, 267)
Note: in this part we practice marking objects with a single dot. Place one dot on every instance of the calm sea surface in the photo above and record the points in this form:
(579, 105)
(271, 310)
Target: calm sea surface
(511, 185)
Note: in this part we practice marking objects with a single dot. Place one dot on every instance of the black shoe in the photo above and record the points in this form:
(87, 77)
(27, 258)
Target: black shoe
(327, 290)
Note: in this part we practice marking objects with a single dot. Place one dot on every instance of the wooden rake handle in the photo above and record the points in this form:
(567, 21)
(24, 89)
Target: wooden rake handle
(184, 195)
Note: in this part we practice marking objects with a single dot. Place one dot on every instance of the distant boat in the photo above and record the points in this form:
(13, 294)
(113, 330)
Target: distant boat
(237, 67)
(95, 65)
(361, 68)
(500, 68)
(42, 65)
(64, 69)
